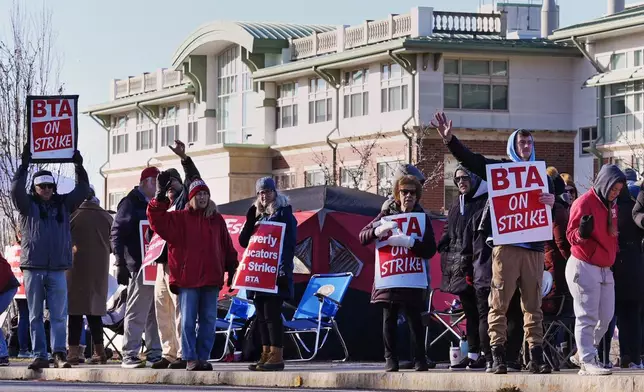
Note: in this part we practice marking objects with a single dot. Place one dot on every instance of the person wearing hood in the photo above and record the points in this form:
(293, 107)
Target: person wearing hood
(456, 262)
(87, 279)
(272, 206)
(517, 265)
(631, 179)
(46, 252)
(200, 251)
(593, 236)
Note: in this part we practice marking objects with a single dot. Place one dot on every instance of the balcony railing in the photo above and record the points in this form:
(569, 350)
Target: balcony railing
(147, 82)
(420, 22)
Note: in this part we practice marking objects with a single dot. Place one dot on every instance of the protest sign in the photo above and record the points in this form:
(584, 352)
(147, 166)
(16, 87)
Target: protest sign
(517, 215)
(397, 266)
(155, 249)
(12, 254)
(259, 266)
(53, 127)
(150, 270)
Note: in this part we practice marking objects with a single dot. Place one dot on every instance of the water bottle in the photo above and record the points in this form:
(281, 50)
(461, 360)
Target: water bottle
(464, 347)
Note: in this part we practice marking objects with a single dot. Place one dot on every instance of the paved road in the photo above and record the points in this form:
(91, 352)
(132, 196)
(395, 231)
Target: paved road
(31, 386)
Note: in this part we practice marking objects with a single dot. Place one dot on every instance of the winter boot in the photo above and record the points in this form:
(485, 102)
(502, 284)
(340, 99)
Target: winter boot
(392, 365)
(499, 366)
(73, 355)
(275, 361)
(537, 364)
(81, 354)
(266, 351)
(99, 356)
(60, 361)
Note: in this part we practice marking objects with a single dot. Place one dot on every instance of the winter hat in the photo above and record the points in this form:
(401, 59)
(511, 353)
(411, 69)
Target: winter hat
(265, 183)
(148, 172)
(197, 186)
(560, 185)
(552, 172)
(408, 170)
(631, 175)
(174, 174)
(43, 177)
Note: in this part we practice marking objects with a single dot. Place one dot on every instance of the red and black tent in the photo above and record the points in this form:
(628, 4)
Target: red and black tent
(329, 220)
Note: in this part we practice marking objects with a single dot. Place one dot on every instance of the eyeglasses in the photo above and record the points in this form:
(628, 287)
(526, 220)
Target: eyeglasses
(461, 178)
(406, 192)
(265, 192)
(45, 186)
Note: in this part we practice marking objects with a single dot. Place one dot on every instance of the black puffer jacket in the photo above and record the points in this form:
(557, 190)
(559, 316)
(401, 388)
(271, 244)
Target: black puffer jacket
(456, 255)
(628, 269)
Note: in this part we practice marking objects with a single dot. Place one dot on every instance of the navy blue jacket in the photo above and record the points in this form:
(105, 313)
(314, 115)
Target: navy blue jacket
(125, 236)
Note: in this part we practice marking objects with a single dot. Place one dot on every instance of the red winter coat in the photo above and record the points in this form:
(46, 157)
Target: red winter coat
(8, 280)
(200, 249)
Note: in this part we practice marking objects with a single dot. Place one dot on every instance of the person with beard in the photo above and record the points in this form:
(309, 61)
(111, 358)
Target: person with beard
(407, 194)
(456, 260)
(46, 247)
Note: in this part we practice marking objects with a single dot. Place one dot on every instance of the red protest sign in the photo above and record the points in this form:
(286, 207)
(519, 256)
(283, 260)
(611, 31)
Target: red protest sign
(53, 127)
(150, 270)
(259, 266)
(154, 251)
(517, 214)
(12, 254)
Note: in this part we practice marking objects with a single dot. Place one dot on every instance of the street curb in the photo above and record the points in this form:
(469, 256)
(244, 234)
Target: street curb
(438, 381)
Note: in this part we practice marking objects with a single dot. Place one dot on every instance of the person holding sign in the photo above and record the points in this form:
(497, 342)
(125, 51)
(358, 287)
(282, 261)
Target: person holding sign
(518, 264)
(46, 252)
(405, 241)
(271, 214)
(593, 236)
(200, 250)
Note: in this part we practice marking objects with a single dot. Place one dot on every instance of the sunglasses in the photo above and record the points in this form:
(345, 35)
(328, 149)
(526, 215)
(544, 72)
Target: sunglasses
(461, 178)
(46, 186)
(406, 192)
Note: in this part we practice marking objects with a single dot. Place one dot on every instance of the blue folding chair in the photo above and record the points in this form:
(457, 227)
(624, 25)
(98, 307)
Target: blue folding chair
(239, 314)
(316, 312)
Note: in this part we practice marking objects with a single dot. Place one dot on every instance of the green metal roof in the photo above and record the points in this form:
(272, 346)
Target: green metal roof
(627, 13)
(492, 42)
(630, 17)
(267, 30)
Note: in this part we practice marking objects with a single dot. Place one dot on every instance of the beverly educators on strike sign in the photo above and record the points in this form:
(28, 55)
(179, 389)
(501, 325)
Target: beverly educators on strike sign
(53, 127)
(407, 251)
(520, 263)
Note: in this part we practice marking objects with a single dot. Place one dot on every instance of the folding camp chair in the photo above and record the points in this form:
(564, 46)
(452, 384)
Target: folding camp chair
(239, 316)
(449, 319)
(316, 312)
(553, 325)
(114, 319)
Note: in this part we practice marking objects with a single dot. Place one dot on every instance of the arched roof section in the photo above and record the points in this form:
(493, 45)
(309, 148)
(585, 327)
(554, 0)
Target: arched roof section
(249, 35)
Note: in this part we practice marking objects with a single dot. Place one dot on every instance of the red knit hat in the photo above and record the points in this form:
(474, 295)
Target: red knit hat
(196, 186)
(148, 172)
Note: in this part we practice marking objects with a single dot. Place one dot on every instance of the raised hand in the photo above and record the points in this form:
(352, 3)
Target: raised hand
(179, 149)
(26, 154)
(443, 125)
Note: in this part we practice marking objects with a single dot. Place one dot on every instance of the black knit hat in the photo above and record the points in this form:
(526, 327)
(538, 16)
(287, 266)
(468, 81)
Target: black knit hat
(174, 174)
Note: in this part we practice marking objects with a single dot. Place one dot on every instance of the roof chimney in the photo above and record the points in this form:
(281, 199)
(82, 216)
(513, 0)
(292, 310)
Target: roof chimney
(549, 17)
(615, 6)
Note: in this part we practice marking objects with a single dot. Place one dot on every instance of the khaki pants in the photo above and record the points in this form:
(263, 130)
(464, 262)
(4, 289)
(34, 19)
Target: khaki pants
(168, 315)
(513, 266)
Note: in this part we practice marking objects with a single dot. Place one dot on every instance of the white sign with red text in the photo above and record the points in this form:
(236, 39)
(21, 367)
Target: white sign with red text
(514, 189)
(150, 270)
(12, 255)
(397, 266)
(53, 127)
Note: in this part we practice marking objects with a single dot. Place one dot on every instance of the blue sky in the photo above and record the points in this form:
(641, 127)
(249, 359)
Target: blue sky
(99, 40)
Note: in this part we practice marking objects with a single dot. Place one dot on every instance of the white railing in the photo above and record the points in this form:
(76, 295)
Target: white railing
(150, 81)
(147, 82)
(171, 78)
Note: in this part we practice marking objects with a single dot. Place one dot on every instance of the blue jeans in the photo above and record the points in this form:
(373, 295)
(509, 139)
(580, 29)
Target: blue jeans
(41, 285)
(23, 325)
(5, 301)
(199, 303)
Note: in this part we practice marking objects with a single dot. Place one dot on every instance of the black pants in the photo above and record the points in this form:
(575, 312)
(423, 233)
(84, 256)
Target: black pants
(483, 307)
(269, 318)
(472, 320)
(75, 328)
(515, 329)
(412, 313)
(629, 322)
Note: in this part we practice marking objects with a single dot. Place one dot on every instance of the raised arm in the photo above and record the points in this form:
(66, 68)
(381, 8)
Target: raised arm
(19, 194)
(76, 197)
(249, 226)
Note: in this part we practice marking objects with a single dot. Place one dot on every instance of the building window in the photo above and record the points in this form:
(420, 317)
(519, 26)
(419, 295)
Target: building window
(144, 140)
(356, 93)
(119, 144)
(314, 178)
(320, 101)
(623, 111)
(394, 91)
(114, 199)
(475, 84)
(169, 113)
(385, 174)
(586, 136)
(141, 119)
(618, 61)
(286, 105)
(353, 177)
(285, 180)
(193, 132)
(119, 121)
(169, 134)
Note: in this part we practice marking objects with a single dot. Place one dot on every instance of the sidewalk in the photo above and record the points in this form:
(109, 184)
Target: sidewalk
(338, 375)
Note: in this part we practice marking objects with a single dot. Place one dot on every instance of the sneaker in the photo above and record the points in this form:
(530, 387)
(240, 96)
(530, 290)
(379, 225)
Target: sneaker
(461, 365)
(593, 369)
(161, 364)
(477, 364)
(421, 366)
(39, 363)
(206, 366)
(391, 365)
(514, 367)
(132, 363)
(153, 360)
(4, 361)
(25, 354)
(178, 364)
(631, 366)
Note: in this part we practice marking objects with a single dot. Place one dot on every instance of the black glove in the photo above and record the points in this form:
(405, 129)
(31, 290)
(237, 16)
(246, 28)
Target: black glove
(26, 155)
(122, 275)
(251, 215)
(77, 158)
(586, 226)
(163, 182)
(229, 282)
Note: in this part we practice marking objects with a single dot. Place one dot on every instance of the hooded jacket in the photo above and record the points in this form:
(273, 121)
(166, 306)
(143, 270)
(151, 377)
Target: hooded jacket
(629, 266)
(46, 235)
(125, 236)
(456, 255)
(601, 248)
(476, 163)
(558, 249)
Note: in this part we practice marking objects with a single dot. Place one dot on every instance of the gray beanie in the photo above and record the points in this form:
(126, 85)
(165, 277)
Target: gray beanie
(265, 183)
(408, 170)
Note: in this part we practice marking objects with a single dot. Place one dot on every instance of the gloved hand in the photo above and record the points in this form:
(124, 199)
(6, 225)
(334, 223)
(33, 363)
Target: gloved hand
(229, 281)
(163, 183)
(401, 240)
(77, 158)
(251, 214)
(385, 228)
(586, 226)
(122, 275)
(26, 155)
